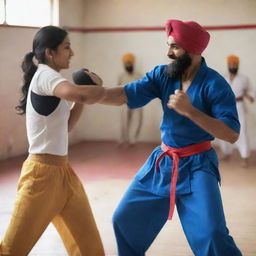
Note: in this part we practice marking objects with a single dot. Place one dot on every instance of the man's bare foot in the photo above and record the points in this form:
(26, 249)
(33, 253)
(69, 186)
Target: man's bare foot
(132, 144)
(225, 157)
(124, 144)
(245, 163)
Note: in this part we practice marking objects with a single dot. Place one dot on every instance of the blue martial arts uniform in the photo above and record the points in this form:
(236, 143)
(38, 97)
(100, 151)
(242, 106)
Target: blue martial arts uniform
(144, 208)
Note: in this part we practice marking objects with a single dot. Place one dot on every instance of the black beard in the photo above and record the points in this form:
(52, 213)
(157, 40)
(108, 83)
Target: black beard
(233, 70)
(129, 69)
(178, 66)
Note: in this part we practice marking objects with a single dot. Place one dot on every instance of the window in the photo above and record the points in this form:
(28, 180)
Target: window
(34, 13)
(2, 10)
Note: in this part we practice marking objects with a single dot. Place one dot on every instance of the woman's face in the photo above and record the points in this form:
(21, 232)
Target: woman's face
(60, 58)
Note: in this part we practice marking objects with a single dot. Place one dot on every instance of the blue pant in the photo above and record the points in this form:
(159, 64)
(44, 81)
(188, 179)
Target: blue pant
(140, 216)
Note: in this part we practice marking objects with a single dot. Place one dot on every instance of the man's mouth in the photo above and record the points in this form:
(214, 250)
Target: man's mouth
(172, 57)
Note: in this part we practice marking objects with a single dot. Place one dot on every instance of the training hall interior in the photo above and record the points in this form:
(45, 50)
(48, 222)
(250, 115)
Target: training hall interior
(101, 32)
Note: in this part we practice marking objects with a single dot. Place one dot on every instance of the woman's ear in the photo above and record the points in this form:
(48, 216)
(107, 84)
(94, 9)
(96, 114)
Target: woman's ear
(48, 54)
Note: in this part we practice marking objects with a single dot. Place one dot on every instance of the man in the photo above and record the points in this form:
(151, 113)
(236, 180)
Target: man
(198, 105)
(131, 119)
(243, 90)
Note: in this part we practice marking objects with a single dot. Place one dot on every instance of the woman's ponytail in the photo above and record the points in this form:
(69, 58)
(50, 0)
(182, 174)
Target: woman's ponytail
(29, 69)
(47, 37)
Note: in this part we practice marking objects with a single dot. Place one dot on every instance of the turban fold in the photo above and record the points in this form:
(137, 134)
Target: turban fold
(188, 34)
(233, 59)
(128, 57)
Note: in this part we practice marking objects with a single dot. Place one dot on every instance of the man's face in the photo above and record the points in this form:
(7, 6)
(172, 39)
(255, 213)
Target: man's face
(181, 59)
(128, 66)
(233, 67)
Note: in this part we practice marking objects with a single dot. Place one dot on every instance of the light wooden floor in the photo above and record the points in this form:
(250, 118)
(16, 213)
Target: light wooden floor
(107, 175)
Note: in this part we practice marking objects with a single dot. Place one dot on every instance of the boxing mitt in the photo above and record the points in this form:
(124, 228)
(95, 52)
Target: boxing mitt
(81, 78)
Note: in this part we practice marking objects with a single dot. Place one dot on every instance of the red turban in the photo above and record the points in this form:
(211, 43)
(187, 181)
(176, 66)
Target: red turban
(188, 34)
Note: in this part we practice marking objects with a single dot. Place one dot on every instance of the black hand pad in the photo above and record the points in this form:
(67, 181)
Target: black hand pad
(81, 78)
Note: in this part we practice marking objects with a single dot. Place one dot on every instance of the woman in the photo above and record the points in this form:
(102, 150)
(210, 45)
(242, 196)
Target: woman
(48, 188)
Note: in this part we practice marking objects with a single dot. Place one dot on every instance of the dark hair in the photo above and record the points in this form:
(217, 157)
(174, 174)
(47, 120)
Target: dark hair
(47, 37)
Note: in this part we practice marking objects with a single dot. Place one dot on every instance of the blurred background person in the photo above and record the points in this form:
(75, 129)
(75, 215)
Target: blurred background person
(242, 89)
(131, 119)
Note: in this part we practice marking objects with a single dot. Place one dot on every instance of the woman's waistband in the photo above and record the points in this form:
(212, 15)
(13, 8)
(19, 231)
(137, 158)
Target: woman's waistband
(48, 159)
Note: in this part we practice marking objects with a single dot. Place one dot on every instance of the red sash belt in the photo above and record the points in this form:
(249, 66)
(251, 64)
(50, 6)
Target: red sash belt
(176, 153)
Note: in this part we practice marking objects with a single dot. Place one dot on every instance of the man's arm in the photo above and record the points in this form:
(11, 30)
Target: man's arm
(181, 103)
(113, 96)
(249, 92)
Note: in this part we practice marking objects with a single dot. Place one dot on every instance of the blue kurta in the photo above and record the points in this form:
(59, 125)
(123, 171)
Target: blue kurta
(144, 208)
(210, 93)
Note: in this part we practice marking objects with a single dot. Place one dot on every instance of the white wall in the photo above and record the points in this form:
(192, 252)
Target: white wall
(12, 126)
(110, 13)
(101, 52)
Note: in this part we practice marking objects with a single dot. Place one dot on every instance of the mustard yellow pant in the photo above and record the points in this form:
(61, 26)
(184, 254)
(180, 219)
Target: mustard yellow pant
(50, 191)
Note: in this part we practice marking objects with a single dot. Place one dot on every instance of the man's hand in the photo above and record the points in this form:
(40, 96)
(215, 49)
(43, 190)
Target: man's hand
(250, 98)
(180, 102)
(95, 78)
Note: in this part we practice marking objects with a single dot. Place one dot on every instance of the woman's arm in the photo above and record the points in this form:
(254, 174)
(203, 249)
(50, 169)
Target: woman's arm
(75, 114)
(88, 94)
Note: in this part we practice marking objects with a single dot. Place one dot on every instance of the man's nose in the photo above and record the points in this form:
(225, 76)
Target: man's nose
(169, 52)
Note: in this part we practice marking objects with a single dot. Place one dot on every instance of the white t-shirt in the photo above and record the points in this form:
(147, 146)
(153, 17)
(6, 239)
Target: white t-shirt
(46, 115)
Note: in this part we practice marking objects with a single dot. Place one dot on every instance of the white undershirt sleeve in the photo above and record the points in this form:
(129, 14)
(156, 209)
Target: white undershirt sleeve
(47, 81)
